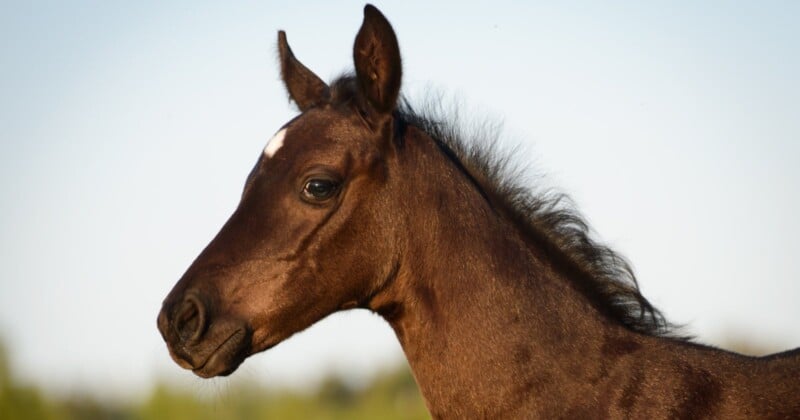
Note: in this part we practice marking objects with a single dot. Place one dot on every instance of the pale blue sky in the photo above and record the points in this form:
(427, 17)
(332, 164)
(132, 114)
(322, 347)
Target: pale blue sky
(127, 131)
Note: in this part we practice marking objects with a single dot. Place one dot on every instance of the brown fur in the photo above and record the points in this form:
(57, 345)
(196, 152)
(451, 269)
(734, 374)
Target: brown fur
(504, 305)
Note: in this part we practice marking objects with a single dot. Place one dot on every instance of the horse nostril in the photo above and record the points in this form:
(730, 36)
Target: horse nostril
(190, 319)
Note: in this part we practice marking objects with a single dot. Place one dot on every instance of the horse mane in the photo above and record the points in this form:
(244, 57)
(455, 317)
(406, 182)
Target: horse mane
(546, 218)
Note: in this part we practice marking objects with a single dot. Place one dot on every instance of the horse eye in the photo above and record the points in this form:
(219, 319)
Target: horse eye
(319, 189)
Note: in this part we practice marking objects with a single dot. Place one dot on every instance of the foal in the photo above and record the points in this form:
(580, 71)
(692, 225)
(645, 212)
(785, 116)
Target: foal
(504, 307)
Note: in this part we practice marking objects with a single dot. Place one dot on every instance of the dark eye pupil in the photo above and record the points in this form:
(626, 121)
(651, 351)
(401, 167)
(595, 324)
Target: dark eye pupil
(320, 188)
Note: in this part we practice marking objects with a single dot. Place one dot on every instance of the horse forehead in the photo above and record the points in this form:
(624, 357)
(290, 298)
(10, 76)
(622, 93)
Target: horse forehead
(300, 138)
(275, 143)
(312, 133)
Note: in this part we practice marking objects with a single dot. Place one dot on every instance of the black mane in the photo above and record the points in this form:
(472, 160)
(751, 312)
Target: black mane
(546, 218)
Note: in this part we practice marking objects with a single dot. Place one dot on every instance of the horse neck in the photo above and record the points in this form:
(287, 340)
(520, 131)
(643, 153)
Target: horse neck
(471, 292)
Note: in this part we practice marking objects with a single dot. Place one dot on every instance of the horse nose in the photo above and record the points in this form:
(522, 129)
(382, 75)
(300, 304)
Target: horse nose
(189, 319)
(163, 323)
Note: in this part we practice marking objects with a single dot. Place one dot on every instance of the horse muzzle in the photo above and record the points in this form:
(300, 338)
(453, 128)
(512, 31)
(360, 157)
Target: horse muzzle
(209, 346)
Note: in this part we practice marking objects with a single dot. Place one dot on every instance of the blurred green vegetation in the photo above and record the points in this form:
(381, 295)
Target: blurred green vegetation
(391, 395)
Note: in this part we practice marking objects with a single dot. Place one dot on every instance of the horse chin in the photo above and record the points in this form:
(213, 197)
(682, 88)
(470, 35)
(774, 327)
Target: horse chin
(227, 356)
(222, 349)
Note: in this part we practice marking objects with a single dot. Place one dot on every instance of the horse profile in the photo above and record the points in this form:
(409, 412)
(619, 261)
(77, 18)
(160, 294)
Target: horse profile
(504, 305)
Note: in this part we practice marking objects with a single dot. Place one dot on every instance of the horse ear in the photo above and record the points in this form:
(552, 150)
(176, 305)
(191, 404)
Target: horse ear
(377, 61)
(305, 88)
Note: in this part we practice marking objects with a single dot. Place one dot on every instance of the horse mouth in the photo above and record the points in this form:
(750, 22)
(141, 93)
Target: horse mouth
(226, 357)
